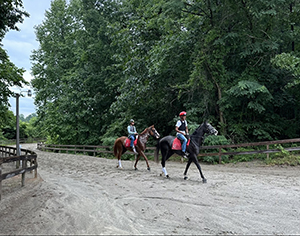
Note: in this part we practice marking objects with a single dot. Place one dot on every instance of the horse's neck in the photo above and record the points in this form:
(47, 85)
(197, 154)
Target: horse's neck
(143, 137)
(197, 139)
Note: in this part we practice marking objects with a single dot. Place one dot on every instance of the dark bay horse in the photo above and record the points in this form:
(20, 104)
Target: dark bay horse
(165, 145)
(120, 149)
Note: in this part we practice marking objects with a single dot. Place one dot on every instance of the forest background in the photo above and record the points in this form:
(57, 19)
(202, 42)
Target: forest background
(234, 63)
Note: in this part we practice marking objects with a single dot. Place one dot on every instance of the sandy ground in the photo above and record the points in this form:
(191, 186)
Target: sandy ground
(76, 194)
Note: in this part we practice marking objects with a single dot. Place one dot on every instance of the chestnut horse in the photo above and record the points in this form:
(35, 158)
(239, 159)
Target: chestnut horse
(120, 149)
(165, 145)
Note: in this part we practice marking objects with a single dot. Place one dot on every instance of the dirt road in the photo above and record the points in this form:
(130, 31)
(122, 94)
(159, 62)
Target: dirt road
(78, 194)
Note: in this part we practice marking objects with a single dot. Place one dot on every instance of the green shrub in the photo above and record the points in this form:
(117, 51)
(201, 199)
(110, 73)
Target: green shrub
(243, 157)
(213, 140)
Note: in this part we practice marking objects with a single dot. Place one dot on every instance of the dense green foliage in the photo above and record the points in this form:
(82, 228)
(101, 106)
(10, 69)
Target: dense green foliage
(232, 62)
(27, 127)
(11, 13)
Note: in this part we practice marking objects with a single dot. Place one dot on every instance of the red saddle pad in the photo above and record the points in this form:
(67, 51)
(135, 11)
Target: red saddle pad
(127, 142)
(177, 144)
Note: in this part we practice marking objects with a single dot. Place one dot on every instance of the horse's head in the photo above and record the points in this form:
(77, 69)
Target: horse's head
(153, 132)
(209, 129)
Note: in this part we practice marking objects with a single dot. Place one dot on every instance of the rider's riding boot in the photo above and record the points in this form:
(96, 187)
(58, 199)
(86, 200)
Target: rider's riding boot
(185, 155)
(133, 148)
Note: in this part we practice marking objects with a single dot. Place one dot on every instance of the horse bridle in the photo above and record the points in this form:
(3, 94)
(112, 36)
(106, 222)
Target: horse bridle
(154, 132)
(211, 129)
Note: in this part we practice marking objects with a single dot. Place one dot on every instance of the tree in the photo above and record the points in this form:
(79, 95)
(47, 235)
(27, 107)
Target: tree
(101, 64)
(72, 71)
(11, 13)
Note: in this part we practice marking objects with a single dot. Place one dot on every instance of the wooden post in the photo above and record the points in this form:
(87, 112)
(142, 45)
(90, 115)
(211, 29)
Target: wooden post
(24, 164)
(35, 162)
(220, 157)
(267, 149)
(0, 180)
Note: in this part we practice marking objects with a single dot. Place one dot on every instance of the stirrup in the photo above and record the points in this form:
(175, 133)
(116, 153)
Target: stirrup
(185, 155)
(134, 150)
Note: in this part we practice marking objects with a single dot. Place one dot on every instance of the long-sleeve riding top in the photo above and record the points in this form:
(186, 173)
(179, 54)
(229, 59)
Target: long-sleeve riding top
(131, 129)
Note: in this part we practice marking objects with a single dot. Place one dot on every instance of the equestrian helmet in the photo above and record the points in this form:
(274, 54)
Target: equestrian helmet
(183, 113)
(131, 120)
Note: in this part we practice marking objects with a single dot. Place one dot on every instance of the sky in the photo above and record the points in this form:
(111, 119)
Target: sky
(19, 46)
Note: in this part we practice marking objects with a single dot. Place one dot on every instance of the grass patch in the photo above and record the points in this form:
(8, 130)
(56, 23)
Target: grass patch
(290, 160)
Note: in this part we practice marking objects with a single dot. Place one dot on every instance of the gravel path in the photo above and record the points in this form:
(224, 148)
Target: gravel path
(77, 194)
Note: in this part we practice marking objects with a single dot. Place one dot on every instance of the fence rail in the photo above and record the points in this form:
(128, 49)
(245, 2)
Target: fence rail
(83, 149)
(221, 148)
(221, 153)
(22, 140)
(8, 154)
(75, 148)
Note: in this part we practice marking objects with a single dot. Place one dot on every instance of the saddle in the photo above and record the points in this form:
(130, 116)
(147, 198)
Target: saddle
(127, 142)
(176, 145)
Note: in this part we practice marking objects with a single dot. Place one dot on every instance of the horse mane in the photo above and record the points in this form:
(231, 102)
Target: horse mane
(198, 129)
(144, 131)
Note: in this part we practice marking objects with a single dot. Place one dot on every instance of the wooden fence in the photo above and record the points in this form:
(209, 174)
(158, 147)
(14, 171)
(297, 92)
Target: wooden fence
(75, 148)
(21, 140)
(8, 154)
(83, 149)
(222, 149)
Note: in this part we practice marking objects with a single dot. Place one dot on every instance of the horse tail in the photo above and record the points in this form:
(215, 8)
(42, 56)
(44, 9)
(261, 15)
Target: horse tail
(156, 153)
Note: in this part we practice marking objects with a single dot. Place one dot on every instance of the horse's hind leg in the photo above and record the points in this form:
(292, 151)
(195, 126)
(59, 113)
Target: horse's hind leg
(120, 152)
(186, 168)
(136, 161)
(165, 156)
(119, 160)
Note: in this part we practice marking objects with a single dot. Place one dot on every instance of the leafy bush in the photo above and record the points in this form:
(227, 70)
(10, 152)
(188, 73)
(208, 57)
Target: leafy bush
(213, 140)
(244, 157)
(108, 141)
(52, 140)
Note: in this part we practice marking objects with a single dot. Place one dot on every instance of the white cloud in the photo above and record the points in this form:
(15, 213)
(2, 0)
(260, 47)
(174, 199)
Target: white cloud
(25, 105)
(19, 46)
(19, 52)
(27, 76)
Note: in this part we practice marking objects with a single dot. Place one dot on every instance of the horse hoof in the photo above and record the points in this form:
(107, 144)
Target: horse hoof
(167, 176)
(148, 168)
(136, 168)
(204, 181)
(185, 178)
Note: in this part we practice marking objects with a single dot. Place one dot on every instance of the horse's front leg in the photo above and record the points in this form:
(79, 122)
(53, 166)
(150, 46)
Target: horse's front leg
(138, 158)
(146, 159)
(199, 168)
